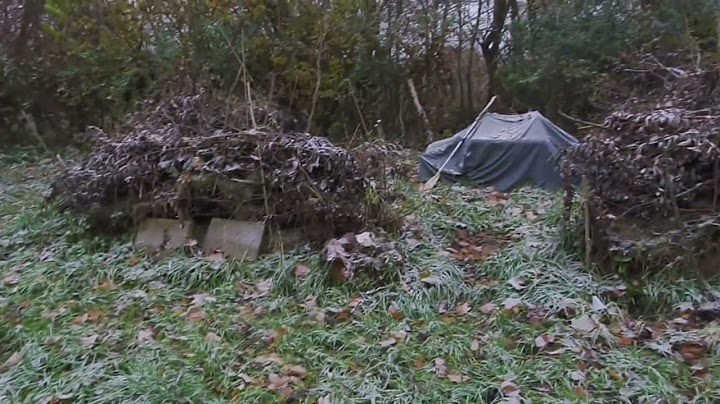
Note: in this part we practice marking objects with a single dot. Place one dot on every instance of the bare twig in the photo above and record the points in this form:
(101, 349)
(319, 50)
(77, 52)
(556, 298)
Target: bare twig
(245, 78)
(357, 107)
(577, 120)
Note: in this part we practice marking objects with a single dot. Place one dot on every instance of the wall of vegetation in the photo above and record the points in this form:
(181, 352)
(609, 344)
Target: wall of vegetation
(343, 66)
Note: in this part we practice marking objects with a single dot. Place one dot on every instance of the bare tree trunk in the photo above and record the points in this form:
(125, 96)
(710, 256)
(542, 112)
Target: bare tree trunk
(421, 111)
(459, 51)
(471, 57)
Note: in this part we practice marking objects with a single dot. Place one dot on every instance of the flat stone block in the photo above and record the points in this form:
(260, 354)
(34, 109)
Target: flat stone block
(162, 234)
(234, 238)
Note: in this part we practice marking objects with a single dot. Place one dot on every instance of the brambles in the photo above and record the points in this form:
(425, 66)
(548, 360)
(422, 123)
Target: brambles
(196, 154)
(654, 173)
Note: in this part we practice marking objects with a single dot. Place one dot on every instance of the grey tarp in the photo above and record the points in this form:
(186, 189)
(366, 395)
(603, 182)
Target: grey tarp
(505, 151)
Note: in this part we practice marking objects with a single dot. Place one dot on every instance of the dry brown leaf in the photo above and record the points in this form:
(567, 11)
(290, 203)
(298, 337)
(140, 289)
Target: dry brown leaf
(295, 370)
(625, 341)
(577, 375)
(60, 398)
(339, 272)
(475, 345)
(395, 312)
(13, 360)
(11, 279)
(517, 283)
(511, 303)
(509, 389)
(247, 378)
(146, 336)
(448, 320)
(584, 323)
(580, 391)
(540, 341)
(277, 382)
(81, 319)
(458, 378)
(440, 367)
(388, 342)
(196, 314)
(615, 375)
(400, 336)
(216, 260)
(89, 341)
(419, 363)
(212, 337)
(324, 400)
(94, 315)
(107, 286)
(463, 308)
(301, 271)
(692, 352)
(270, 359)
(488, 308)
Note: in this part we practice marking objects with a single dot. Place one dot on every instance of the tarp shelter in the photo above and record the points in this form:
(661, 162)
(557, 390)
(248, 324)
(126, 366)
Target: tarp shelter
(504, 151)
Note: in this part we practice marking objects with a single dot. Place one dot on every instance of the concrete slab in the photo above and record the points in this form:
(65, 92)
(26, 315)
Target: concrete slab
(234, 238)
(162, 234)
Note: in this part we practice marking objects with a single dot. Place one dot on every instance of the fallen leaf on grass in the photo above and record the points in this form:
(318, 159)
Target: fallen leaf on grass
(270, 359)
(295, 370)
(94, 315)
(448, 320)
(440, 367)
(625, 341)
(388, 342)
(89, 341)
(488, 308)
(463, 308)
(509, 389)
(324, 400)
(247, 378)
(196, 314)
(199, 299)
(395, 312)
(430, 280)
(12, 279)
(580, 391)
(146, 336)
(419, 363)
(691, 352)
(685, 306)
(597, 304)
(366, 239)
(517, 283)
(512, 303)
(281, 384)
(577, 375)
(543, 340)
(400, 336)
(216, 260)
(107, 286)
(58, 398)
(212, 337)
(475, 345)
(81, 319)
(12, 361)
(458, 378)
(584, 323)
(301, 271)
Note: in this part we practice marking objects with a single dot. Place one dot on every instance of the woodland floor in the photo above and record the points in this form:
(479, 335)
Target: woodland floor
(91, 320)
